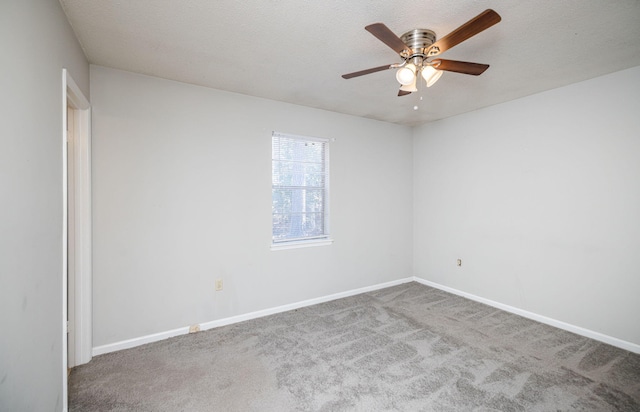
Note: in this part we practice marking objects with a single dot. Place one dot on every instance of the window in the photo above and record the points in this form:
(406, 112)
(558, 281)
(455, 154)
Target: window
(299, 191)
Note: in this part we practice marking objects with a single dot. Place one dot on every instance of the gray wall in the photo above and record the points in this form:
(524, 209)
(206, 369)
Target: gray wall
(182, 196)
(36, 43)
(540, 198)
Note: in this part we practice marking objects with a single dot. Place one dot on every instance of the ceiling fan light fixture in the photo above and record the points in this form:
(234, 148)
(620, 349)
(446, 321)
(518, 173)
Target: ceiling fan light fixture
(417, 47)
(411, 87)
(431, 75)
(406, 75)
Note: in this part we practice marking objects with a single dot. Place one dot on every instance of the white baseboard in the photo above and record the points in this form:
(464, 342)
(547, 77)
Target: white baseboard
(632, 347)
(130, 343)
(297, 305)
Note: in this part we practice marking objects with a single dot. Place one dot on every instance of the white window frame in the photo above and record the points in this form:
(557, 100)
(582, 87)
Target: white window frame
(320, 240)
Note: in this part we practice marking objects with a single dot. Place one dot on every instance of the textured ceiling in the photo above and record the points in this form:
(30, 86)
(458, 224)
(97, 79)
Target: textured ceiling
(295, 50)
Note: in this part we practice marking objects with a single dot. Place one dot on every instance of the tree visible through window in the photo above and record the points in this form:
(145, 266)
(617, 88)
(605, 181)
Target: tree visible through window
(299, 188)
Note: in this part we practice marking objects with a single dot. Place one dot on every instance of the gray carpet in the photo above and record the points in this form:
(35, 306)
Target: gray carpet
(404, 348)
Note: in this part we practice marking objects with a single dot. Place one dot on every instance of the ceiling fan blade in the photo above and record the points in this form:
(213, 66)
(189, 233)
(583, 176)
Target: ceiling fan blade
(474, 26)
(367, 71)
(403, 93)
(474, 69)
(385, 35)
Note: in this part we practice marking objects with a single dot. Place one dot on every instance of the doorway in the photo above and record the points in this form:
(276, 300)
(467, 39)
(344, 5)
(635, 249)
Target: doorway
(76, 253)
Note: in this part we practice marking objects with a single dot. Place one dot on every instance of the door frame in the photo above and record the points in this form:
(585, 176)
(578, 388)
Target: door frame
(81, 333)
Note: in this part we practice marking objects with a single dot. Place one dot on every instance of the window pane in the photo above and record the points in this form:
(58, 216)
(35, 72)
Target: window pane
(290, 173)
(299, 191)
(297, 225)
(281, 226)
(281, 201)
(299, 150)
(297, 200)
(313, 200)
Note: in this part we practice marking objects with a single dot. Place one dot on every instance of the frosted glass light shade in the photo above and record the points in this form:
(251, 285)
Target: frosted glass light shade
(406, 75)
(431, 75)
(411, 87)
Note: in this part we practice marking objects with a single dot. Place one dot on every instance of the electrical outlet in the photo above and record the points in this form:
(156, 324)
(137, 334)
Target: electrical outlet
(459, 262)
(218, 284)
(194, 328)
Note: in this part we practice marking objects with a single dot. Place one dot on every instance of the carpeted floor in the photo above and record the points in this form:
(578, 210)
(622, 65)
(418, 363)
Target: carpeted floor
(404, 348)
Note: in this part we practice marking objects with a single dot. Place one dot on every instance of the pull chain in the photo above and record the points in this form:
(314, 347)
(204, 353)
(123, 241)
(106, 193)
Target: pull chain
(417, 106)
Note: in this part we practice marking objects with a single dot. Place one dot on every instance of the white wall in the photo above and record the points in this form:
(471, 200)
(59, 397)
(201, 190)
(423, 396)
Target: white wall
(182, 195)
(36, 43)
(540, 198)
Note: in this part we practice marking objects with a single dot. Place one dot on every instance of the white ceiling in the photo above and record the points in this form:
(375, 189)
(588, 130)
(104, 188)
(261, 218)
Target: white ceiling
(296, 50)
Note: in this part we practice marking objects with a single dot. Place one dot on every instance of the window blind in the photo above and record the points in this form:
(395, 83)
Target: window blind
(299, 188)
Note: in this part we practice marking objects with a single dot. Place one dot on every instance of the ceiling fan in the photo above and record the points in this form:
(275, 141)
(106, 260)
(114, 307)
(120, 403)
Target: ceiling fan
(418, 47)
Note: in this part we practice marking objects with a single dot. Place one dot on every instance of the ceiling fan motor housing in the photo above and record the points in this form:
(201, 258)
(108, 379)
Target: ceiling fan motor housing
(418, 41)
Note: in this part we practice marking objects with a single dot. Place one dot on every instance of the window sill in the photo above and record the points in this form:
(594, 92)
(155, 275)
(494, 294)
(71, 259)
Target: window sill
(301, 243)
